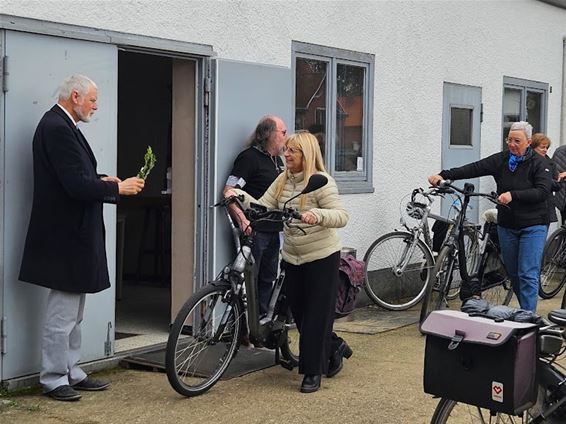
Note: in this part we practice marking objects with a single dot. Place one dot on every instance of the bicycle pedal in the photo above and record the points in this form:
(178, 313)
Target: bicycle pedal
(286, 364)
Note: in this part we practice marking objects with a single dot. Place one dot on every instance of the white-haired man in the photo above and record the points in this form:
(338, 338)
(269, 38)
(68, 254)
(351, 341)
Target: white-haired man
(65, 249)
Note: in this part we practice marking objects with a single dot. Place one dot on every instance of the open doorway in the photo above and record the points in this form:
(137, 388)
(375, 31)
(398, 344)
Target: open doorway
(155, 230)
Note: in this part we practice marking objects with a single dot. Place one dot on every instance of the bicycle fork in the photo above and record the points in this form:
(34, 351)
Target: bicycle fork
(406, 255)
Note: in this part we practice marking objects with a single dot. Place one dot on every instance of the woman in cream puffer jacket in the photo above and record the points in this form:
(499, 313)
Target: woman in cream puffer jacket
(311, 257)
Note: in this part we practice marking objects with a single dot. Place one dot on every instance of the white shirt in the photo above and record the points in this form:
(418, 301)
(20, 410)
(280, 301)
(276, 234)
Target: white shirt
(68, 114)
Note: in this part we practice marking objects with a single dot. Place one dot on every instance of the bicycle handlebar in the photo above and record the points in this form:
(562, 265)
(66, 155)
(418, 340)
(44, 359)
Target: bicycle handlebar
(257, 213)
(468, 191)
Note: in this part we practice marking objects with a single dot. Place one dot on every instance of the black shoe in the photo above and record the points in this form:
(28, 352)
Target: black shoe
(64, 393)
(336, 360)
(311, 383)
(91, 385)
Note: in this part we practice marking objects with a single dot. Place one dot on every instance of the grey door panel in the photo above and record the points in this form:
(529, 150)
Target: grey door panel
(37, 65)
(244, 92)
(461, 135)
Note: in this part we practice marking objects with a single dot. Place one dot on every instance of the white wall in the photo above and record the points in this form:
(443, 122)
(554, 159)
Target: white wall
(417, 45)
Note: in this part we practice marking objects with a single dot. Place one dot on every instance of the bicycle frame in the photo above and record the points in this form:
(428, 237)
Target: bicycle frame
(259, 330)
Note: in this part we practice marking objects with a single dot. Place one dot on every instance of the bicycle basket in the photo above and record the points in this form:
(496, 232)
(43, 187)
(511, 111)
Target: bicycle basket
(413, 211)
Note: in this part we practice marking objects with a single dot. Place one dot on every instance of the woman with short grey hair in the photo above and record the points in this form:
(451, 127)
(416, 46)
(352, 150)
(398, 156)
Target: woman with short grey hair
(524, 184)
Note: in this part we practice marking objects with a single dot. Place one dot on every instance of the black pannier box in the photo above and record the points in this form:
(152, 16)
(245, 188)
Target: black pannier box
(480, 361)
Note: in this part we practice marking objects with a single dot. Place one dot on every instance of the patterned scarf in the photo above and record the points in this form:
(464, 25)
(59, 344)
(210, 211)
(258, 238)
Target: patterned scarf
(515, 160)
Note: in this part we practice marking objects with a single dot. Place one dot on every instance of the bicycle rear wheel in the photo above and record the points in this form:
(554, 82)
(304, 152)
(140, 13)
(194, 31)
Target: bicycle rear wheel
(451, 412)
(553, 272)
(290, 342)
(471, 242)
(436, 295)
(203, 339)
(398, 268)
(496, 286)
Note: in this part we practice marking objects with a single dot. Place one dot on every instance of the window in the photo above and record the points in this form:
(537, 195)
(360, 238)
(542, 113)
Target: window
(461, 119)
(333, 100)
(524, 100)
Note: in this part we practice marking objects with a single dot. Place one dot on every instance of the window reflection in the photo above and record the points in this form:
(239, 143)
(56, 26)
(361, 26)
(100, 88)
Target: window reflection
(534, 110)
(310, 98)
(349, 118)
(511, 108)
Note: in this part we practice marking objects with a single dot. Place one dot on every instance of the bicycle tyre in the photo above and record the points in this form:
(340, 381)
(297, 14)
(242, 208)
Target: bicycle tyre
(553, 272)
(471, 241)
(449, 411)
(436, 295)
(393, 289)
(290, 346)
(500, 291)
(196, 360)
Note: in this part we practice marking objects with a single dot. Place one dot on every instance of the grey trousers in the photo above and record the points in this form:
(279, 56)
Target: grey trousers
(61, 343)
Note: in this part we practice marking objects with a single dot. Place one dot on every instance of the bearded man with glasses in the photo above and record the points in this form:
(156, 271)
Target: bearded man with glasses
(254, 170)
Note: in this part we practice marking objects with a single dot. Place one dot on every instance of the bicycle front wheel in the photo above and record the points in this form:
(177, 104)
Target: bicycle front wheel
(398, 267)
(203, 340)
(553, 272)
(436, 295)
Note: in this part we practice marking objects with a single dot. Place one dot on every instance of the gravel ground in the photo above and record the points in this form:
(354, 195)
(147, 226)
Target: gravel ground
(381, 383)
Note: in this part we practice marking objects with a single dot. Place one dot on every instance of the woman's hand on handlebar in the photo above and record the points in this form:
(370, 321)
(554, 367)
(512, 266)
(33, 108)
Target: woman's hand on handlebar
(505, 198)
(309, 218)
(236, 212)
(434, 180)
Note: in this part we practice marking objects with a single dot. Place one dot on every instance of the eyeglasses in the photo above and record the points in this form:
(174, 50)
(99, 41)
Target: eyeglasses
(514, 141)
(292, 150)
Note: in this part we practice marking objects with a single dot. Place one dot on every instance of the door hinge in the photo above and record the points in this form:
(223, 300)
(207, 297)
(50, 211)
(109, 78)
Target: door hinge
(481, 112)
(3, 335)
(4, 73)
(108, 342)
(207, 83)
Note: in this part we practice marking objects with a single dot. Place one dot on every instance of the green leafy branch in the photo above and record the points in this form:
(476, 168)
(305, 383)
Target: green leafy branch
(150, 160)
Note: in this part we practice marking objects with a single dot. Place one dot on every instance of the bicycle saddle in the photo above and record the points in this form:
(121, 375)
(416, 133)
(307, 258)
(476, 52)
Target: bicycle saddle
(558, 317)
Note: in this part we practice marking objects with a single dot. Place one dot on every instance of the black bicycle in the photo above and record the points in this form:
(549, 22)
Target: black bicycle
(553, 272)
(468, 247)
(550, 406)
(209, 327)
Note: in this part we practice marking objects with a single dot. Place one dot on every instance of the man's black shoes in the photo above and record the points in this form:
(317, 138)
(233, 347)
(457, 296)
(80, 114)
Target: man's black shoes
(311, 383)
(336, 360)
(91, 385)
(64, 393)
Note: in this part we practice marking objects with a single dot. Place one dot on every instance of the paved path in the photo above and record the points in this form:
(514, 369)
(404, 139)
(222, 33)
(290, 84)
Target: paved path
(381, 383)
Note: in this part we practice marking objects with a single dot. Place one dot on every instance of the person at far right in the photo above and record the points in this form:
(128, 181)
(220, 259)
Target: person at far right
(541, 144)
(524, 183)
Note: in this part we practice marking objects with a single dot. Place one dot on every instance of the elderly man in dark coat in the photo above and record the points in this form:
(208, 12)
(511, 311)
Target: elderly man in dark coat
(64, 249)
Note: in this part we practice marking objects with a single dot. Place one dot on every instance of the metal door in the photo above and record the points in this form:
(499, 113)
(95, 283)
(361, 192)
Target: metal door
(243, 93)
(461, 135)
(36, 65)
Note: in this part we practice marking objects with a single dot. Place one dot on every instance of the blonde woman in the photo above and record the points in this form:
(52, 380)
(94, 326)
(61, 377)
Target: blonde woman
(311, 256)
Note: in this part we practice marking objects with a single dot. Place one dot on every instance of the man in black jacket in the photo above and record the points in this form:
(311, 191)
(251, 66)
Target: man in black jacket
(524, 184)
(254, 171)
(65, 249)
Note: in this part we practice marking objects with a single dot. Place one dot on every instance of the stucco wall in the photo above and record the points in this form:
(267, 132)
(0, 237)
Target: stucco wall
(417, 45)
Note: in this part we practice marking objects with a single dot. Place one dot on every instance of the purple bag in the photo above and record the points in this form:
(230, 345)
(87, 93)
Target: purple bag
(351, 281)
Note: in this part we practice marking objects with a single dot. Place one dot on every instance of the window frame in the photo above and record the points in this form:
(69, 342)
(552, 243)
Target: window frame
(525, 86)
(347, 181)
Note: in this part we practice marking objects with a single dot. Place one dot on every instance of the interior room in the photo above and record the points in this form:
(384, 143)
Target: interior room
(143, 251)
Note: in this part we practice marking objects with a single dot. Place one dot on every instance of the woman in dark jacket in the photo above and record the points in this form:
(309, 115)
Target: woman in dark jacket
(524, 184)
